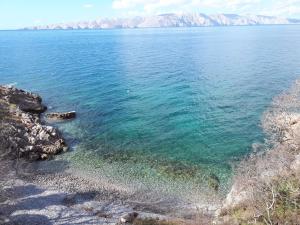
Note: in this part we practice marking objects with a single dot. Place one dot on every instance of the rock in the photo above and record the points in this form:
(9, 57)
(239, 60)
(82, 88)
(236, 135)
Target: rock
(44, 156)
(129, 217)
(61, 116)
(213, 182)
(43, 135)
(22, 134)
(26, 101)
(29, 107)
(236, 196)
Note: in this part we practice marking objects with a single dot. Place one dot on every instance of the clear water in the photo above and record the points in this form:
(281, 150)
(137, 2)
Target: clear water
(176, 101)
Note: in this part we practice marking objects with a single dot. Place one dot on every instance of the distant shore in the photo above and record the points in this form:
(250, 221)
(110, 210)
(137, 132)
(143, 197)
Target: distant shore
(171, 20)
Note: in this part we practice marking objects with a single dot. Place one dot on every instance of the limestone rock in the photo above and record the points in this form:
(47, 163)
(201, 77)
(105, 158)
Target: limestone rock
(61, 116)
(22, 134)
(26, 101)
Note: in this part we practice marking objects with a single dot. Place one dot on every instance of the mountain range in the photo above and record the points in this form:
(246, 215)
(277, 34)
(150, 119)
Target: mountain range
(172, 20)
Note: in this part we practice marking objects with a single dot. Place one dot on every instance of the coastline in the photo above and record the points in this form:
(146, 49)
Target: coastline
(266, 184)
(36, 186)
(35, 174)
(23, 134)
(43, 197)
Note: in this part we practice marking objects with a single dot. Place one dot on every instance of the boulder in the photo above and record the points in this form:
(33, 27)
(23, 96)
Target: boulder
(26, 101)
(213, 182)
(62, 115)
(22, 133)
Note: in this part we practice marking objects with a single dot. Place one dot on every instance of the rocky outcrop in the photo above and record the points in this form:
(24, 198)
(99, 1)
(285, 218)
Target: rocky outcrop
(61, 116)
(22, 134)
(27, 102)
(265, 188)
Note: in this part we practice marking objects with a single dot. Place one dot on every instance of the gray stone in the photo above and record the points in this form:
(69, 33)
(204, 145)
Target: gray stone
(61, 115)
(22, 134)
(129, 217)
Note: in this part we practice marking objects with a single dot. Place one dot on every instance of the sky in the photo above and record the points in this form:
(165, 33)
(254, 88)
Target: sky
(23, 13)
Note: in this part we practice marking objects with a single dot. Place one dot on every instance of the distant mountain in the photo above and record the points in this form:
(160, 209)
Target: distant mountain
(173, 20)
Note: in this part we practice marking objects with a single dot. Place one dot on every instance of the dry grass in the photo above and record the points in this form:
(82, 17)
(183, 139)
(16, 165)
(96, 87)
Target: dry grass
(151, 221)
(277, 202)
(267, 184)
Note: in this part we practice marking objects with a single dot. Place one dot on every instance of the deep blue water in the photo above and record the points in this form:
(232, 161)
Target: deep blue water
(186, 97)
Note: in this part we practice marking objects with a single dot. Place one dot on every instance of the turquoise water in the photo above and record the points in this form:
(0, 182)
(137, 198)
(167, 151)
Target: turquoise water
(178, 101)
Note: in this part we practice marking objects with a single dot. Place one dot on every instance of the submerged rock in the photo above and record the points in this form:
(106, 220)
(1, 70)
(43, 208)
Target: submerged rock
(61, 116)
(22, 134)
(213, 182)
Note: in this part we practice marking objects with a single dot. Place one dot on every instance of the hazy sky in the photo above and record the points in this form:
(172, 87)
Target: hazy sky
(21, 13)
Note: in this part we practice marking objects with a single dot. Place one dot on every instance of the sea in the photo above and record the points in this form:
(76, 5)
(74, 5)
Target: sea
(168, 111)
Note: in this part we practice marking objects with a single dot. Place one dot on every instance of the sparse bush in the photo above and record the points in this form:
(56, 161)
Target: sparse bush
(266, 188)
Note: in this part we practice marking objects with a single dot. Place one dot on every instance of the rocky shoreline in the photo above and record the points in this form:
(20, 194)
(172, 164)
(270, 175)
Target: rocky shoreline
(32, 194)
(22, 133)
(266, 187)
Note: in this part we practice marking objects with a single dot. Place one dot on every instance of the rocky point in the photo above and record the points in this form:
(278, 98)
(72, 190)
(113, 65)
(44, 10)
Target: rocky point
(22, 133)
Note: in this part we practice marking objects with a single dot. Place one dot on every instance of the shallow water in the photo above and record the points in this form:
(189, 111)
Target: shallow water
(159, 104)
